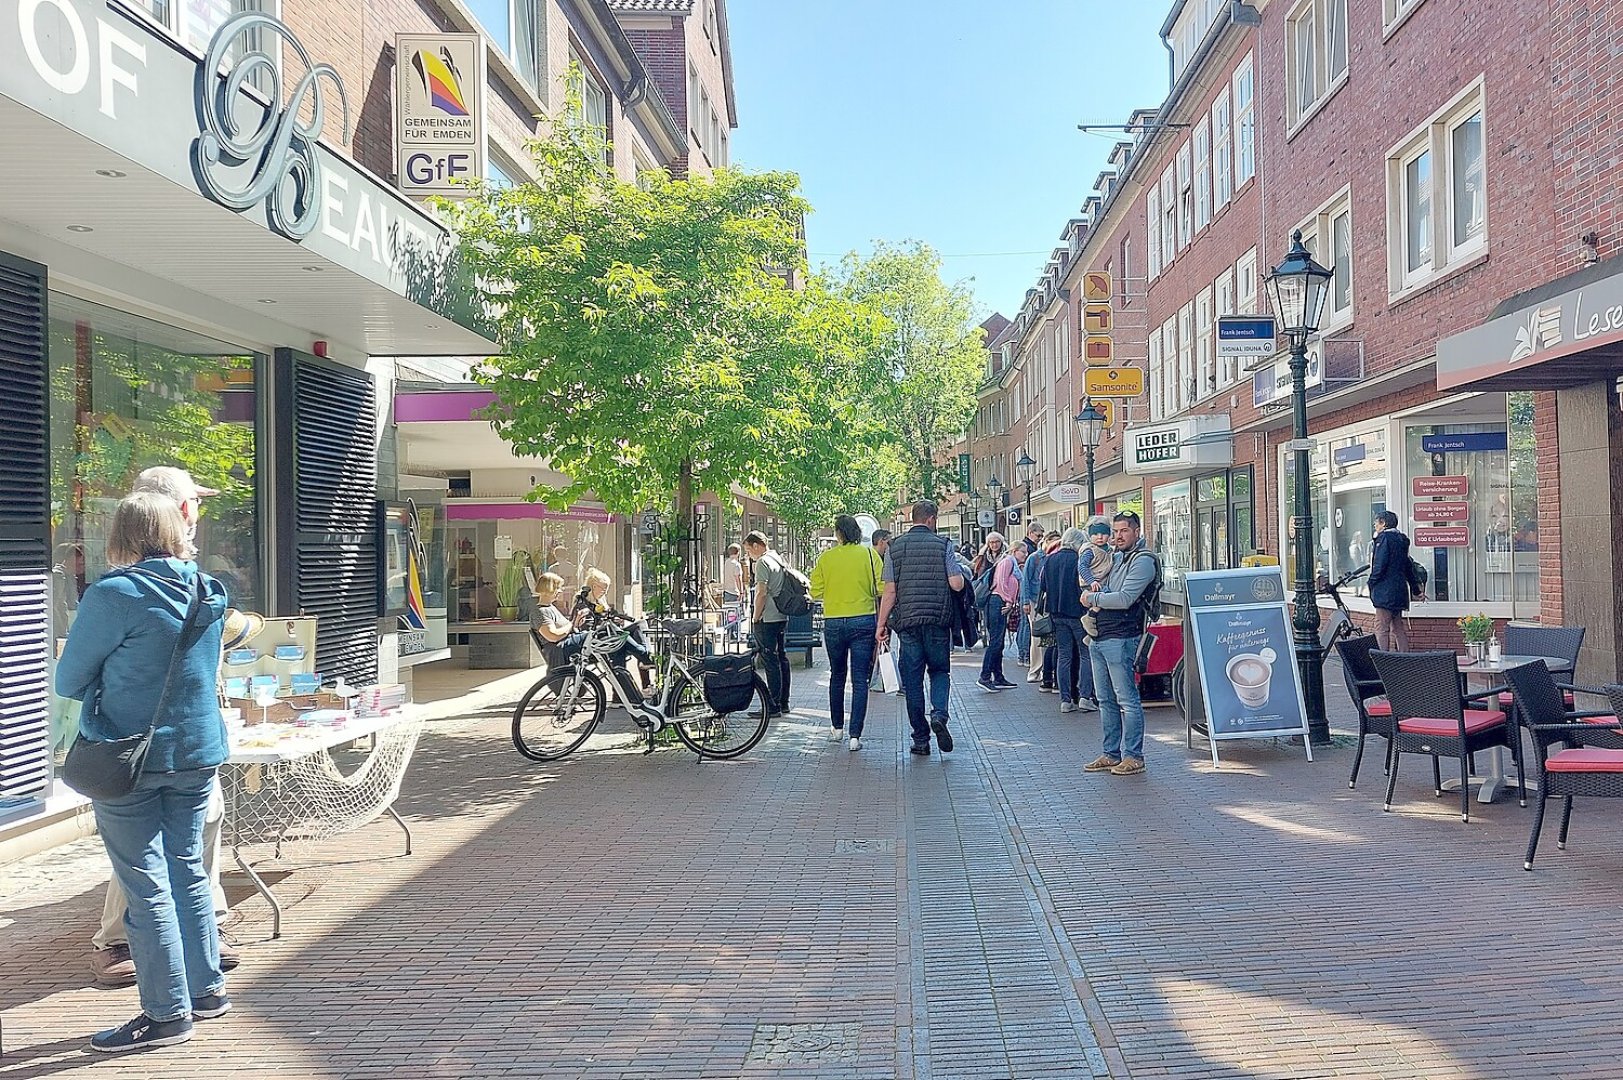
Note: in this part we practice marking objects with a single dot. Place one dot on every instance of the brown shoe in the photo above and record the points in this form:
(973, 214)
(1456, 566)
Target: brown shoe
(1131, 766)
(113, 966)
(1102, 763)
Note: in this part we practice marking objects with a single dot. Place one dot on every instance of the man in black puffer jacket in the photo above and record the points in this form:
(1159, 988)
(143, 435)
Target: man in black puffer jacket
(1389, 582)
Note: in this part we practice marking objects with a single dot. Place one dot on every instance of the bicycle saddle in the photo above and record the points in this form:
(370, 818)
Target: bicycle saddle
(682, 628)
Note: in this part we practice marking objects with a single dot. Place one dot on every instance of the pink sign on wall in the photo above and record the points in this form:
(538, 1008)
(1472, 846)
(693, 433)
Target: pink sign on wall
(1441, 511)
(1424, 487)
(1442, 536)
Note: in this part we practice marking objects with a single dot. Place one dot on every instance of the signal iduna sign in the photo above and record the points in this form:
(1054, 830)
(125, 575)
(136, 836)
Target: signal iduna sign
(1113, 381)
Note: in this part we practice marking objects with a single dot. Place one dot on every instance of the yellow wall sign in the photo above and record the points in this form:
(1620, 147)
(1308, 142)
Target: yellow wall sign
(1113, 382)
(1099, 350)
(1096, 287)
(1096, 319)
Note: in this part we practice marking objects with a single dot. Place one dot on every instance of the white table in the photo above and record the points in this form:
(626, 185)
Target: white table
(281, 784)
(1493, 674)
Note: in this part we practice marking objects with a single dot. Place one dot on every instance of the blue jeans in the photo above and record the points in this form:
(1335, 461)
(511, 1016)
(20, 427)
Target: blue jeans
(154, 838)
(1074, 670)
(851, 647)
(997, 629)
(1121, 709)
(926, 648)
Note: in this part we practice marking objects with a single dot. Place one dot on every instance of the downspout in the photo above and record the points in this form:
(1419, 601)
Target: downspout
(1172, 65)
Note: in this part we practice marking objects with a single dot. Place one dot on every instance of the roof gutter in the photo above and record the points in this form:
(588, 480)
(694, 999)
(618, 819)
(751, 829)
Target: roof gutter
(636, 86)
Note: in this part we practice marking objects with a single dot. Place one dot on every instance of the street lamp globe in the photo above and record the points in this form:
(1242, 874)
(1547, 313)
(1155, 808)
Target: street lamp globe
(1299, 287)
(1023, 468)
(1091, 423)
(993, 486)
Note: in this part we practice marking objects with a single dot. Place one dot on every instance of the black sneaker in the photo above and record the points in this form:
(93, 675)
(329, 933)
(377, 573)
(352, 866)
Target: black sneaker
(210, 1006)
(988, 685)
(1004, 684)
(922, 749)
(943, 737)
(142, 1033)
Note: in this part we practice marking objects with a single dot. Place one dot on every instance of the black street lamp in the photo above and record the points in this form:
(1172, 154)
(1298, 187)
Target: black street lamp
(994, 489)
(1298, 287)
(1091, 423)
(975, 502)
(1025, 469)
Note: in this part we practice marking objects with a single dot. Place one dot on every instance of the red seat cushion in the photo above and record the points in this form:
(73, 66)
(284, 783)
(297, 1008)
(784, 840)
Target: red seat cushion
(1378, 707)
(1585, 760)
(1507, 698)
(1475, 720)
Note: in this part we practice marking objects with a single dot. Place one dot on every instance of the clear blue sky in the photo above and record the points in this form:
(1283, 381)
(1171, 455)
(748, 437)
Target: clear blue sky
(947, 121)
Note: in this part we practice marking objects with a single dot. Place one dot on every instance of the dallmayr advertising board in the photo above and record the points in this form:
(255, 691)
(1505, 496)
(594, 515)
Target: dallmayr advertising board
(439, 97)
(1245, 655)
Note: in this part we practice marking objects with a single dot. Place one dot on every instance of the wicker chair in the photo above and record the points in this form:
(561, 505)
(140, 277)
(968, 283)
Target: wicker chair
(1368, 697)
(1590, 762)
(1561, 642)
(1431, 718)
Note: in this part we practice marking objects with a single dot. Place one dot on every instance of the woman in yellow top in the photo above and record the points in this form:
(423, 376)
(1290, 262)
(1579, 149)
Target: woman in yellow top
(846, 579)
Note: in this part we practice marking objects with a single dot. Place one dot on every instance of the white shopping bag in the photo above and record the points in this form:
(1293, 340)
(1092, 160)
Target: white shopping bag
(889, 675)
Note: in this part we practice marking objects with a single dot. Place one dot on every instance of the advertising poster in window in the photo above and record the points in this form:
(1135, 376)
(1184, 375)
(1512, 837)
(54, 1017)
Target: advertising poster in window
(1243, 650)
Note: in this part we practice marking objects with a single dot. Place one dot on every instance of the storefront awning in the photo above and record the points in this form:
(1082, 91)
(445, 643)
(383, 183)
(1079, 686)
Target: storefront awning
(1560, 335)
(112, 160)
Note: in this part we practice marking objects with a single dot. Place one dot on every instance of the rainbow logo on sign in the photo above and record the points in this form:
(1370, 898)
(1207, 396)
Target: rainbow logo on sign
(441, 82)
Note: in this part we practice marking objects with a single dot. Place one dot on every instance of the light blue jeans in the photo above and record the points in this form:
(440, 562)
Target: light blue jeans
(154, 838)
(1116, 689)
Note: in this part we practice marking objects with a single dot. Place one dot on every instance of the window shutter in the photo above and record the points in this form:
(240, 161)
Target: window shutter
(327, 507)
(25, 630)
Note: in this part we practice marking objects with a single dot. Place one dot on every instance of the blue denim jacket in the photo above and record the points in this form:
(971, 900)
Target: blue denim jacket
(119, 647)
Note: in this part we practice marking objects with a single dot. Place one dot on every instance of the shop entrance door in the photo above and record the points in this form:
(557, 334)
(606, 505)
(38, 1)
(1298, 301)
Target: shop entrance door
(1212, 538)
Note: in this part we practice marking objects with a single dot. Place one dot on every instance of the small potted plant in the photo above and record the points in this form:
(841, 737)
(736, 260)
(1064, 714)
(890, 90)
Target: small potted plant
(1476, 629)
(509, 583)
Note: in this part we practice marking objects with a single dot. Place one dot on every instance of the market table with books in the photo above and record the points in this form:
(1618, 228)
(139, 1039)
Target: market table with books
(283, 786)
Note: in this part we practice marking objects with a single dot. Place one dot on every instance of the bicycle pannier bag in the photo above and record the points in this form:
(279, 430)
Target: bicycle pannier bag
(729, 682)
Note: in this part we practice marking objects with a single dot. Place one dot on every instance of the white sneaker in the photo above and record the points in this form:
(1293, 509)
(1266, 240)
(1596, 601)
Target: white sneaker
(1067, 707)
(1087, 704)
(1034, 676)
(856, 743)
(835, 734)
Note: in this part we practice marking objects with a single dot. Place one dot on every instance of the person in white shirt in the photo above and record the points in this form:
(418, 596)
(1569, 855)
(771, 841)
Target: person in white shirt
(732, 576)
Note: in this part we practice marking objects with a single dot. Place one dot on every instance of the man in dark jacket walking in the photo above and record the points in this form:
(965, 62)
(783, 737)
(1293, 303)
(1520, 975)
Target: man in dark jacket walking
(1062, 587)
(1389, 582)
(922, 583)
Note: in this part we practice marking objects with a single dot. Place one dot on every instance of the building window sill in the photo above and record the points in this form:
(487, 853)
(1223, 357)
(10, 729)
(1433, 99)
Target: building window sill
(1424, 285)
(1396, 24)
(1315, 108)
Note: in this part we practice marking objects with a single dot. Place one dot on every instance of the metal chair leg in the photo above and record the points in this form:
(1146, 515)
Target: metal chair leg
(1566, 820)
(398, 820)
(1392, 779)
(1358, 757)
(1538, 823)
(1465, 788)
(1436, 777)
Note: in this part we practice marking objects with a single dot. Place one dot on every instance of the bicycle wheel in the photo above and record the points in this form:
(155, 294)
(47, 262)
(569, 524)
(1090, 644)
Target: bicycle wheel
(1179, 693)
(708, 733)
(557, 715)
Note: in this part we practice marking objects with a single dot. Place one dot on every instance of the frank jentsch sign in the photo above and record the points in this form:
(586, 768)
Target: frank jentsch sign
(1242, 636)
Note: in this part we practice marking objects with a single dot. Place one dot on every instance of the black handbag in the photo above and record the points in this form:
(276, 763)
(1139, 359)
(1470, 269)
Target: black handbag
(110, 769)
(1042, 623)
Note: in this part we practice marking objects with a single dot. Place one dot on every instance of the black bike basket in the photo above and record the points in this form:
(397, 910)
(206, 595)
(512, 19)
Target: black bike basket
(729, 682)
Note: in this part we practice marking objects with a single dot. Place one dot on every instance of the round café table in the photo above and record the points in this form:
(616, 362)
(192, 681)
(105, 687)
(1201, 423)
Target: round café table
(1491, 675)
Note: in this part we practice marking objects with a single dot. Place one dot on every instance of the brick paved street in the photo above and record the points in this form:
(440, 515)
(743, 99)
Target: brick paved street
(812, 912)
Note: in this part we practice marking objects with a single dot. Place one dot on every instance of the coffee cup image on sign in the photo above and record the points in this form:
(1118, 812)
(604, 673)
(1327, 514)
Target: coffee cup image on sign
(1251, 675)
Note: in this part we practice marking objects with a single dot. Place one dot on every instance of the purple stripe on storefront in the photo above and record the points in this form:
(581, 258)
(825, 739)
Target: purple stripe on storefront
(523, 511)
(431, 405)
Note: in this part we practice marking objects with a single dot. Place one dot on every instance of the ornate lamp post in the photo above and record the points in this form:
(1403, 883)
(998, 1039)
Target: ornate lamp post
(975, 502)
(1091, 423)
(994, 491)
(1025, 469)
(1299, 287)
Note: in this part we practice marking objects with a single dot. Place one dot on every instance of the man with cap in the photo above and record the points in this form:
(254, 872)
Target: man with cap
(111, 963)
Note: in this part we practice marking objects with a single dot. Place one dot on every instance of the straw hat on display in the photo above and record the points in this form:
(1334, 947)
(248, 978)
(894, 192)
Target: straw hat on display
(240, 628)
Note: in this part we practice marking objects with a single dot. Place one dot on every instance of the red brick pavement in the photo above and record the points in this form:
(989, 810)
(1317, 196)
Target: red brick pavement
(992, 914)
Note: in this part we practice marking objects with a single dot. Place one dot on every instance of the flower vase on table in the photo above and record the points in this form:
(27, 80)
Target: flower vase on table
(1476, 629)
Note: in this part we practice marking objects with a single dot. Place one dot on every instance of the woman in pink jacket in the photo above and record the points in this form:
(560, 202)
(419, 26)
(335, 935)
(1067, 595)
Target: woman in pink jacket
(1003, 595)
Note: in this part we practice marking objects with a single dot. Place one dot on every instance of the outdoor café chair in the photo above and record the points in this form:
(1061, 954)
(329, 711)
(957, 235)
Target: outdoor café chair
(1590, 762)
(1431, 718)
(1368, 697)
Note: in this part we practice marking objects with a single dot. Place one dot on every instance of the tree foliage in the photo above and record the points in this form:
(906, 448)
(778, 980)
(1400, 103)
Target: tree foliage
(930, 351)
(651, 338)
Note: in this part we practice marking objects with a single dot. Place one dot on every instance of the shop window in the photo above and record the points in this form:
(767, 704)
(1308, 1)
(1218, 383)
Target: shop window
(1318, 501)
(1522, 438)
(1473, 555)
(128, 393)
(1172, 520)
(480, 545)
(1437, 194)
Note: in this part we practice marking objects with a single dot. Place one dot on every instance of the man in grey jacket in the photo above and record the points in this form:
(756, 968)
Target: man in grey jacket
(1124, 611)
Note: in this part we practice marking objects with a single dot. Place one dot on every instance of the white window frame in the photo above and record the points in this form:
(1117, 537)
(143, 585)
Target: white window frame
(1186, 198)
(1203, 173)
(1223, 304)
(1152, 215)
(1169, 215)
(1245, 122)
(1063, 333)
(1156, 365)
(1318, 234)
(1222, 160)
(1308, 87)
(1245, 283)
(1205, 336)
(1394, 13)
(1188, 382)
(1435, 137)
(177, 22)
(595, 101)
(1169, 366)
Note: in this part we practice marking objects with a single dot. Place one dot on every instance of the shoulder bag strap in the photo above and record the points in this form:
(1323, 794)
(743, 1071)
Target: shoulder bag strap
(181, 645)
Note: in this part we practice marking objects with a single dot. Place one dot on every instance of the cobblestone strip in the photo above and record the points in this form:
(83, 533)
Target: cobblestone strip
(997, 998)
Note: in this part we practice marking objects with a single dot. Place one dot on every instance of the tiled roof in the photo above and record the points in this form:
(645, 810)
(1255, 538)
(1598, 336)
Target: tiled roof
(670, 7)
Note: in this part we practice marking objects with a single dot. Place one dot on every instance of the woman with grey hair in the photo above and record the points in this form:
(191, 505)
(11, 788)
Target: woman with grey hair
(1062, 599)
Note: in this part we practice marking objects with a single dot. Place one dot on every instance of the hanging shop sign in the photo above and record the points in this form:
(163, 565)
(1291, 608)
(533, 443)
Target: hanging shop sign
(1120, 382)
(1440, 511)
(1196, 443)
(1012, 516)
(963, 472)
(439, 112)
(1068, 494)
(1426, 487)
(1096, 287)
(1442, 536)
(1558, 326)
(1245, 655)
(1099, 350)
(986, 519)
(1096, 318)
(1273, 382)
(1464, 442)
(1246, 336)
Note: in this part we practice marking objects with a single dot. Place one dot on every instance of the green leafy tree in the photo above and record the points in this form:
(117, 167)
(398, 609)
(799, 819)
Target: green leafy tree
(930, 355)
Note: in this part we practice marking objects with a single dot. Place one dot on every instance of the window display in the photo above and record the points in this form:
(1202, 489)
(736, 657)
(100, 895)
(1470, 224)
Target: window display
(1470, 553)
(490, 562)
(1173, 540)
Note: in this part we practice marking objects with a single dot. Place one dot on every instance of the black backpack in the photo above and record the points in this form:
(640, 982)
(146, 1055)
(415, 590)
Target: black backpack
(1151, 597)
(794, 593)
